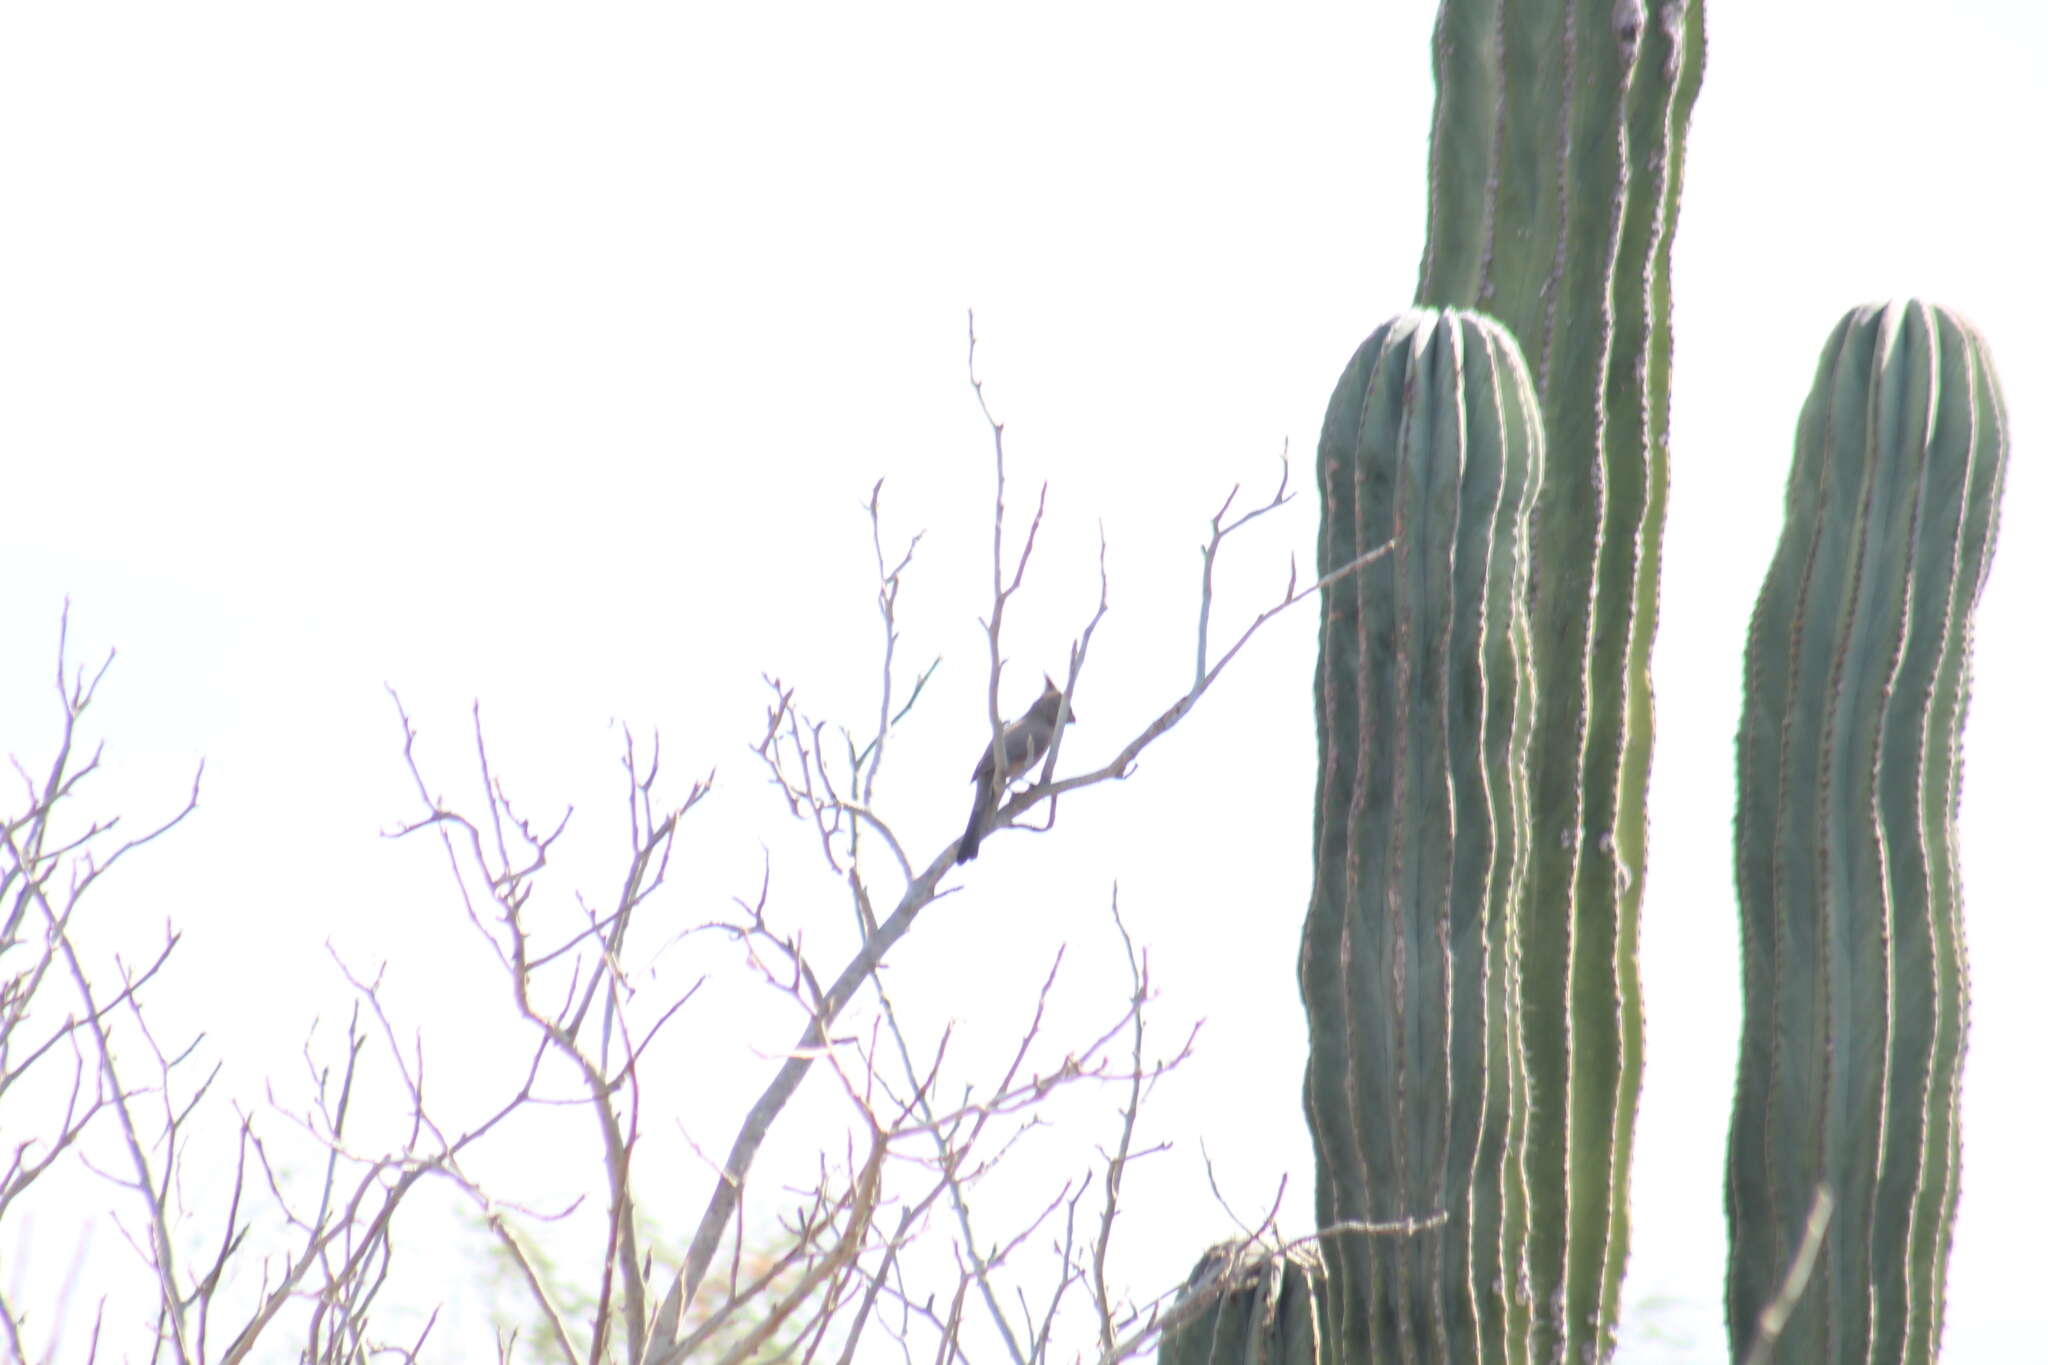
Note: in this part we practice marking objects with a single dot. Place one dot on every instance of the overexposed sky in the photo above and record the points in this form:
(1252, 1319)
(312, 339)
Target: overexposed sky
(543, 356)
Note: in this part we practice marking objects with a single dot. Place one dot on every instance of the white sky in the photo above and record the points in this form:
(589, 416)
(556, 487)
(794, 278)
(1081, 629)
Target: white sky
(543, 357)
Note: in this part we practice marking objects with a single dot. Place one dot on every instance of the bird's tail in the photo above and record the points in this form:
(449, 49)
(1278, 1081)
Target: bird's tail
(984, 806)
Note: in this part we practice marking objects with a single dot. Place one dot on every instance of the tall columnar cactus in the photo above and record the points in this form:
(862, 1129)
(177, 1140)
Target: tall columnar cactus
(1433, 444)
(1554, 172)
(1853, 970)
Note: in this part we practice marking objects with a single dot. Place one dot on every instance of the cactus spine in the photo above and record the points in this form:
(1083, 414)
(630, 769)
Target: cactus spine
(1555, 162)
(1434, 443)
(1854, 978)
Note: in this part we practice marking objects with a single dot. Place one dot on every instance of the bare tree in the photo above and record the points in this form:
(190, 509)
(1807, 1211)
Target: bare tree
(53, 864)
(889, 1237)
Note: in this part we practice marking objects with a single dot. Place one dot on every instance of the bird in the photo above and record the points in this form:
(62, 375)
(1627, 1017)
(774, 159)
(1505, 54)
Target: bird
(1026, 741)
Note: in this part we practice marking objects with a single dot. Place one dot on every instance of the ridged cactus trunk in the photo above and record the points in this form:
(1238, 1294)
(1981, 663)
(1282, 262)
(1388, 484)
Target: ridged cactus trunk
(1854, 978)
(1554, 174)
(1433, 444)
(1247, 1305)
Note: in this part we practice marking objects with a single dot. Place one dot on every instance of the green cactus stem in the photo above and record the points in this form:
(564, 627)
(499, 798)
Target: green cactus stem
(1245, 1305)
(1854, 979)
(1433, 443)
(1555, 165)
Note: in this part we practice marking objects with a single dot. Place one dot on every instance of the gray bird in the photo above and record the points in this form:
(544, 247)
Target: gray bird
(1025, 743)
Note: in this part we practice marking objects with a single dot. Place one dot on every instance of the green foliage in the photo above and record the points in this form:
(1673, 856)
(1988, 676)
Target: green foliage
(1432, 446)
(1854, 977)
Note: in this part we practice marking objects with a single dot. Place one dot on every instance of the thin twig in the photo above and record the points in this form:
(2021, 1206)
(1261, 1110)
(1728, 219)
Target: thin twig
(1770, 1323)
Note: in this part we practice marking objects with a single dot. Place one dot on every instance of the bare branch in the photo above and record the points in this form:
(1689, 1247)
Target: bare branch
(793, 750)
(1123, 763)
(1113, 1175)
(1217, 532)
(1771, 1322)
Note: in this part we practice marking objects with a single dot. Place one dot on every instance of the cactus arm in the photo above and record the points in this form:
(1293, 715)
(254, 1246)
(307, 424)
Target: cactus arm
(1433, 441)
(1854, 975)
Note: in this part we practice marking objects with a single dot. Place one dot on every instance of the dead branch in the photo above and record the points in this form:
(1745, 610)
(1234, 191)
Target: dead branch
(793, 750)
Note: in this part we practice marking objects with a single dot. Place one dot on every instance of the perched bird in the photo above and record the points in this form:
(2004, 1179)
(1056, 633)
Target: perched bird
(1026, 741)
